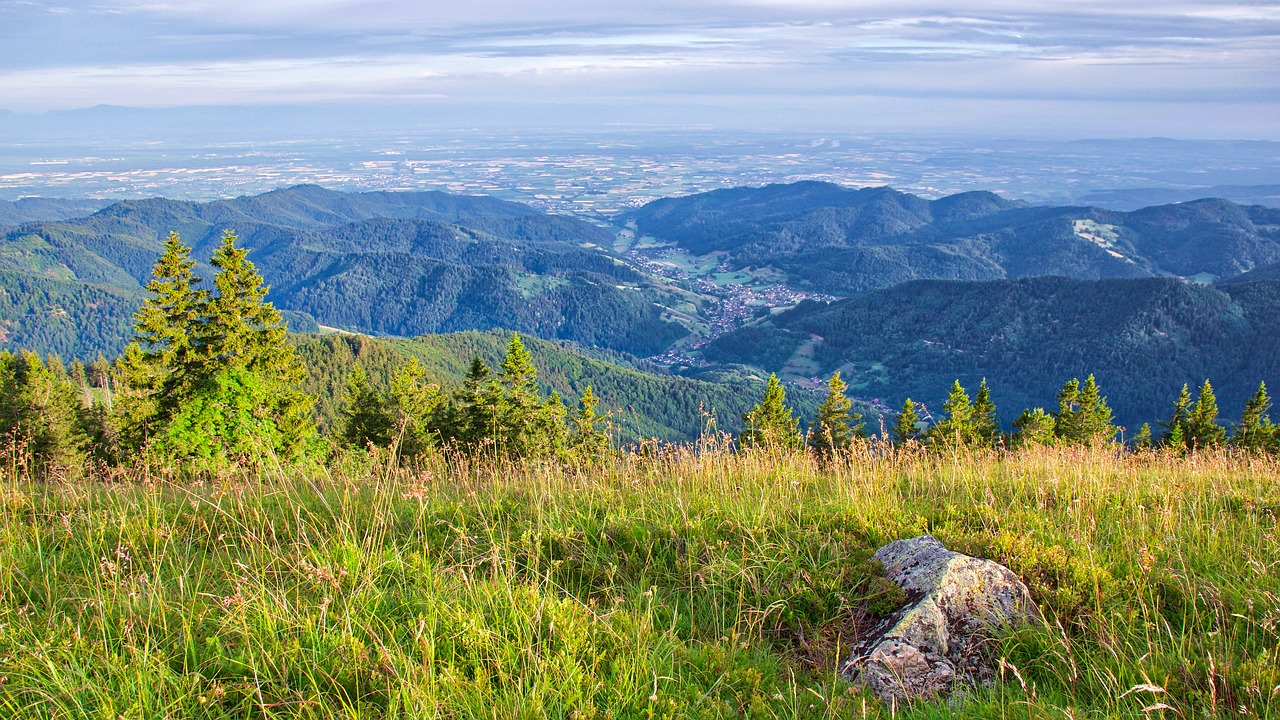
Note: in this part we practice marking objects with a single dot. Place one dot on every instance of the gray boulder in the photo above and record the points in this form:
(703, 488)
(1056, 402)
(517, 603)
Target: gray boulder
(956, 604)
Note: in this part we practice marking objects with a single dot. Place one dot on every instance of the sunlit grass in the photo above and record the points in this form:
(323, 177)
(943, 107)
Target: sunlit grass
(684, 584)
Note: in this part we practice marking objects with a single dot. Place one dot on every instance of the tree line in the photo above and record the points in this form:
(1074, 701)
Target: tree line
(210, 380)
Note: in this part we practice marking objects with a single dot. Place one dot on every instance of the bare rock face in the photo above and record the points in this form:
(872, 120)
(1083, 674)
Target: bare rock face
(956, 604)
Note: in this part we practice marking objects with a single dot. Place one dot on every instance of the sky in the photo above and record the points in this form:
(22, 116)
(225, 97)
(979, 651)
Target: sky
(1085, 68)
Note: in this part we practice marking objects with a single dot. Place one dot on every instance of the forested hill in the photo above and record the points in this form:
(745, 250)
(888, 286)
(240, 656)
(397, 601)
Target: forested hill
(1142, 339)
(16, 212)
(642, 404)
(395, 263)
(846, 241)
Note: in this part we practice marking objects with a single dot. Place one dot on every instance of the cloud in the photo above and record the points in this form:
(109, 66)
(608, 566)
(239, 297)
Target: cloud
(196, 52)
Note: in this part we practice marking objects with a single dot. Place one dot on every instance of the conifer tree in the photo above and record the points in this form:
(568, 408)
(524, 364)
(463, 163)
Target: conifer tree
(522, 406)
(589, 432)
(832, 431)
(40, 412)
(906, 428)
(1143, 440)
(1201, 429)
(771, 424)
(1255, 430)
(169, 364)
(478, 412)
(366, 420)
(1175, 428)
(414, 406)
(958, 427)
(1083, 415)
(986, 426)
(550, 437)
(1034, 427)
(212, 377)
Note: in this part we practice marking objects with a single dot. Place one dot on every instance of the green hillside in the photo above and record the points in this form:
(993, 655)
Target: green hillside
(1142, 339)
(644, 404)
(388, 263)
(847, 241)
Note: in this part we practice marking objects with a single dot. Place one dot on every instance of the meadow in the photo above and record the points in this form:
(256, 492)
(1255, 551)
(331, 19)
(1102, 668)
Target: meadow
(691, 582)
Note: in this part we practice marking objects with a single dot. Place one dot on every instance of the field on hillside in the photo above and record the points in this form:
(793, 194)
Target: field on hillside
(695, 584)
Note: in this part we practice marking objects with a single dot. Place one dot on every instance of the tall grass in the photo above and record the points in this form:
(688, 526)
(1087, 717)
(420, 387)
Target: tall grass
(685, 583)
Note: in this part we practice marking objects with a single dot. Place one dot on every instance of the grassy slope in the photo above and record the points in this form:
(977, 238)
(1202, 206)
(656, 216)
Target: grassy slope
(682, 586)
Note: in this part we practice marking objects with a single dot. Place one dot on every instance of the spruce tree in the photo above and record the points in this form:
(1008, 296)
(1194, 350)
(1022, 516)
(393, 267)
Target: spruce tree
(771, 424)
(1255, 430)
(958, 427)
(906, 428)
(212, 378)
(986, 426)
(478, 408)
(1202, 429)
(366, 419)
(589, 432)
(1143, 440)
(832, 431)
(167, 330)
(1034, 427)
(522, 405)
(1083, 415)
(414, 406)
(1175, 427)
(40, 411)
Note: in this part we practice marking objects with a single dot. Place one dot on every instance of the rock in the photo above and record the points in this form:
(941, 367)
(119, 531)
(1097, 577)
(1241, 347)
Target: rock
(956, 604)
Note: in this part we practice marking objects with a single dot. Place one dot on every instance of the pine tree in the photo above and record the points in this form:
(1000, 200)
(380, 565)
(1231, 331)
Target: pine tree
(771, 424)
(1255, 430)
(40, 412)
(985, 424)
(1083, 415)
(1202, 429)
(1175, 428)
(958, 427)
(478, 408)
(1034, 427)
(1143, 440)
(521, 403)
(366, 419)
(212, 378)
(414, 407)
(906, 428)
(167, 329)
(588, 432)
(832, 431)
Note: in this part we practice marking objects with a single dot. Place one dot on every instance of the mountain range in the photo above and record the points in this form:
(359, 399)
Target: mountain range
(386, 263)
(1141, 338)
(967, 286)
(846, 241)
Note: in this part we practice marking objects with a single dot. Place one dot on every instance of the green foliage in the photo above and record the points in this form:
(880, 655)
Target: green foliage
(43, 422)
(907, 427)
(1034, 427)
(1202, 429)
(986, 425)
(1140, 338)
(1083, 416)
(590, 435)
(1143, 439)
(366, 419)
(958, 427)
(1255, 431)
(210, 377)
(771, 424)
(833, 431)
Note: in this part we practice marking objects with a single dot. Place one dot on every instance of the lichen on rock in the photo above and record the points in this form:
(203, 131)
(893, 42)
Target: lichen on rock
(956, 604)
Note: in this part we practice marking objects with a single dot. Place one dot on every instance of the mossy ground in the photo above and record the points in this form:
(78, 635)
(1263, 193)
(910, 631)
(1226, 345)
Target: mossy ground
(690, 584)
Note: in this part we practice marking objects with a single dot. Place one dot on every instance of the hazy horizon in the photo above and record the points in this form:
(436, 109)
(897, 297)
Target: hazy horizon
(1038, 70)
